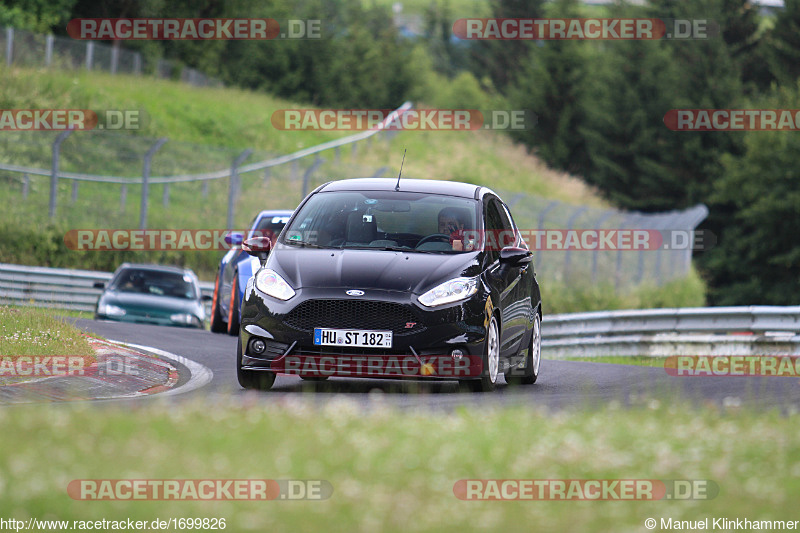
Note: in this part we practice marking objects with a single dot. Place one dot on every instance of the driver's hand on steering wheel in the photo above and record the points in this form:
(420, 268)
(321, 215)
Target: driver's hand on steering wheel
(450, 226)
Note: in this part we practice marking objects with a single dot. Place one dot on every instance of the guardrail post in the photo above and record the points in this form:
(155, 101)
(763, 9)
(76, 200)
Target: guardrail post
(146, 180)
(667, 223)
(267, 173)
(26, 185)
(233, 186)
(74, 192)
(48, 50)
(205, 189)
(137, 63)
(640, 258)
(123, 197)
(9, 46)
(294, 170)
(89, 54)
(537, 261)
(578, 212)
(114, 57)
(618, 271)
(165, 197)
(54, 171)
(307, 174)
(599, 225)
(379, 172)
(338, 157)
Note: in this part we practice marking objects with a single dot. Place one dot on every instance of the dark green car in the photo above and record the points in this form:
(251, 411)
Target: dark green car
(152, 294)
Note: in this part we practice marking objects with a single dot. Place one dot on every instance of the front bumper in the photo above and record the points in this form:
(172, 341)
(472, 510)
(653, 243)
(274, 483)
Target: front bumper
(423, 350)
(141, 319)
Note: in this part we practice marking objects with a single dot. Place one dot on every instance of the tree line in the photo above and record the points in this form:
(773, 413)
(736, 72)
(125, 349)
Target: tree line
(600, 104)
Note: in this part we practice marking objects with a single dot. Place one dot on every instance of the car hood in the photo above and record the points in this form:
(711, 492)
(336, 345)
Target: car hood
(160, 304)
(370, 269)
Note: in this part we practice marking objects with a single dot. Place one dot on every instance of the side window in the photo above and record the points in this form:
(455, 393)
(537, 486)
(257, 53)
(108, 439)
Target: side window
(494, 228)
(508, 222)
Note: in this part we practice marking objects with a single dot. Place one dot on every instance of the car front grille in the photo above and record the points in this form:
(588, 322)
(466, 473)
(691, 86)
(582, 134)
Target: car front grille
(354, 314)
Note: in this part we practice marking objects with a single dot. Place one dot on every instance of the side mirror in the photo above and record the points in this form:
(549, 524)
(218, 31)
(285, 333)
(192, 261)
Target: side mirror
(258, 247)
(206, 297)
(514, 256)
(234, 238)
(99, 285)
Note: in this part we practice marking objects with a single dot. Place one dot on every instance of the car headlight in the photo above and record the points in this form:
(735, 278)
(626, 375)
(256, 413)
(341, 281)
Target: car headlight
(186, 319)
(110, 310)
(269, 282)
(451, 291)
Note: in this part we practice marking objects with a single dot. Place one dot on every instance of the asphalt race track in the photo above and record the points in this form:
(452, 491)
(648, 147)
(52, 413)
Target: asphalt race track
(561, 384)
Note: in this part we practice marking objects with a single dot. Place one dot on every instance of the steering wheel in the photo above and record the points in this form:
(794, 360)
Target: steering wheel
(435, 236)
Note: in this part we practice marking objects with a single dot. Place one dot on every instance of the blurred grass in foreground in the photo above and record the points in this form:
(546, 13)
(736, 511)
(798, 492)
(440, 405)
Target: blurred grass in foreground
(394, 471)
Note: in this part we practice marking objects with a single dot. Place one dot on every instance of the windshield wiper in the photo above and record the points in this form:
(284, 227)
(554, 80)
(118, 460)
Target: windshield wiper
(303, 243)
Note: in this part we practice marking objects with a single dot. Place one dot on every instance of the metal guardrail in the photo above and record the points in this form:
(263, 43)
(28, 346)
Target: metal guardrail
(58, 288)
(74, 290)
(713, 331)
(709, 320)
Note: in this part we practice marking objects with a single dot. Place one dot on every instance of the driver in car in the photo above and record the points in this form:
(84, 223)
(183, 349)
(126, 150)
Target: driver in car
(452, 222)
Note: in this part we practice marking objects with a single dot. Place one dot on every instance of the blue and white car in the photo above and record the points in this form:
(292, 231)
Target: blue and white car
(237, 267)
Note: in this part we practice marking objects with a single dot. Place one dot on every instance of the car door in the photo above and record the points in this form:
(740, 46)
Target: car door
(525, 300)
(504, 281)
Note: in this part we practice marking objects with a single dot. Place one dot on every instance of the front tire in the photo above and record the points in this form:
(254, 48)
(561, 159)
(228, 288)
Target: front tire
(252, 379)
(491, 361)
(217, 324)
(233, 309)
(529, 374)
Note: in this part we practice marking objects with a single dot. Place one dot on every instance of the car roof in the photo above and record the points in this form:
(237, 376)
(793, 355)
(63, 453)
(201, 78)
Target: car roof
(449, 188)
(160, 268)
(274, 213)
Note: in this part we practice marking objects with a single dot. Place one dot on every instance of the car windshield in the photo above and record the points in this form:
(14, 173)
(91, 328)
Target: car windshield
(156, 283)
(384, 220)
(269, 226)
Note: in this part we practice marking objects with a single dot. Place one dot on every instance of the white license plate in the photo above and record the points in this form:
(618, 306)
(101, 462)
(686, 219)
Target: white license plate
(358, 338)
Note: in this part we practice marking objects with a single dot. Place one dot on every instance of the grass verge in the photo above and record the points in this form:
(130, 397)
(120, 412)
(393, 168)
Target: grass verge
(395, 471)
(638, 360)
(36, 331)
(559, 297)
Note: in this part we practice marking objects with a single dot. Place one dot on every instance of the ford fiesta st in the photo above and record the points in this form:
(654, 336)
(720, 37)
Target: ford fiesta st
(416, 279)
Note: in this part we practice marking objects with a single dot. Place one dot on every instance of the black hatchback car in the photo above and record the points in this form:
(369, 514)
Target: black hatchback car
(416, 279)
